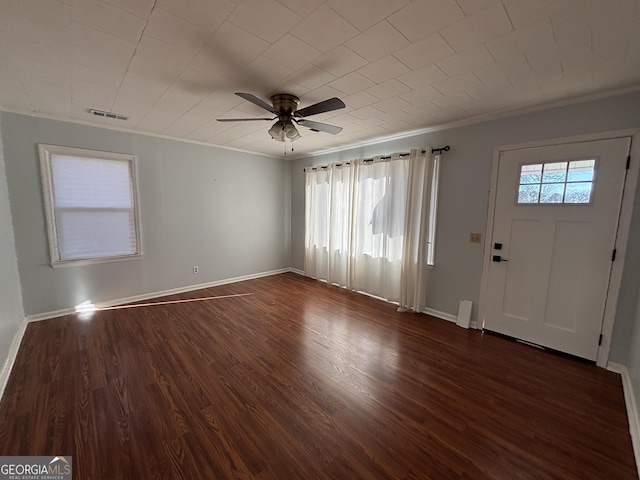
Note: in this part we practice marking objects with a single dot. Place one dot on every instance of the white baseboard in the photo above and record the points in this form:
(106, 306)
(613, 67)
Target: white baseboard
(11, 356)
(147, 296)
(49, 315)
(632, 407)
(441, 315)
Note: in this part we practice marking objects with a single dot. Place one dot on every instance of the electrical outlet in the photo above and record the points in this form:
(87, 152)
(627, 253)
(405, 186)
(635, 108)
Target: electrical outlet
(196, 270)
(475, 238)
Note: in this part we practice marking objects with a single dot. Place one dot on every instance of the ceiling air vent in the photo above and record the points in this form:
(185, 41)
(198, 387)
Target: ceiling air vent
(102, 113)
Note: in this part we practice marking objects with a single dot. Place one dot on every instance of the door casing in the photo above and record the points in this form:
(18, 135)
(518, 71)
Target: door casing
(624, 224)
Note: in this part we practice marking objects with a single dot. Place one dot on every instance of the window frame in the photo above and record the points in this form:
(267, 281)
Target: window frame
(46, 152)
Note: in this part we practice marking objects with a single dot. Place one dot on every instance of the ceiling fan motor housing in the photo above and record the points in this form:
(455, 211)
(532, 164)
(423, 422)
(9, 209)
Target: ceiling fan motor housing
(285, 104)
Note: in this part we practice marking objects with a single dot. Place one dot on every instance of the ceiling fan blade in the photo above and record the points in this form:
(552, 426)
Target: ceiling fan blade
(321, 107)
(256, 101)
(319, 127)
(243, 119)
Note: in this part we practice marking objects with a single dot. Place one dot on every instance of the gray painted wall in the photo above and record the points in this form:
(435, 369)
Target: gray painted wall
(222, 210)
(464, 196)
(11, 313)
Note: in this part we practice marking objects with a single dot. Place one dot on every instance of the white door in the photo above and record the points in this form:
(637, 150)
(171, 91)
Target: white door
(554, 233)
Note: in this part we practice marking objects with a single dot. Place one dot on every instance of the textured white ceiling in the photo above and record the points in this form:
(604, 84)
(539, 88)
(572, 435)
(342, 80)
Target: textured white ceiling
(173, 66)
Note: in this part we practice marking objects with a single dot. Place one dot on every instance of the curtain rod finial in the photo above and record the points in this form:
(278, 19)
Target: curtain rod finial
(446, 148)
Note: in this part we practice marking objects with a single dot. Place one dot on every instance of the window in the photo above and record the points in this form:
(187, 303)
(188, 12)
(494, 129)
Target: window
(433, 212)
(381, 199)
(91, 205)
(557, 182)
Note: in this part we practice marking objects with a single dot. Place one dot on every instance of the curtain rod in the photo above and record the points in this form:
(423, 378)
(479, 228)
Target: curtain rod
(446, 148)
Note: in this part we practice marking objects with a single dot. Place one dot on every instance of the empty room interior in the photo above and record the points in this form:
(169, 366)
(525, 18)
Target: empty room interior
(321, 239)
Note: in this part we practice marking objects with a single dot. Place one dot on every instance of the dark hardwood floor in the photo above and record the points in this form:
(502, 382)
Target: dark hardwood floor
(304, 381)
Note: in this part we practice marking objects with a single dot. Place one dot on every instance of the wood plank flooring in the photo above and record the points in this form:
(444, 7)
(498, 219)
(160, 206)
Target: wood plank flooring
(301, 380)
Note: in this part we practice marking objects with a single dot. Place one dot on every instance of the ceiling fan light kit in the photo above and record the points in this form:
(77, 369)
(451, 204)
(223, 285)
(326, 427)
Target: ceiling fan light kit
(282, 131)
(290, 131)
(285, 107)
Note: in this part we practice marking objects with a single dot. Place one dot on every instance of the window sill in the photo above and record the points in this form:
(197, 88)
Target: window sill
(94, 261)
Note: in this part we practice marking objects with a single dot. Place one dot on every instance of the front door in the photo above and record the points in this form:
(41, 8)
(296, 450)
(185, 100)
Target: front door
(554, 232)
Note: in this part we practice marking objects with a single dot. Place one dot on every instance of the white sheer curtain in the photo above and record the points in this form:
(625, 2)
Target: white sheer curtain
(361, 231)
(378, 226)
(419, 230)
(328, 196)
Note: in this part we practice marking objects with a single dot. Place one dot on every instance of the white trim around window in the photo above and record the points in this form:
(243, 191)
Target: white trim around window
(91, 205)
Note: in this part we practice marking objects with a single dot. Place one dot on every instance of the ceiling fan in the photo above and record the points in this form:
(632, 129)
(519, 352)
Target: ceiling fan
(285, 108)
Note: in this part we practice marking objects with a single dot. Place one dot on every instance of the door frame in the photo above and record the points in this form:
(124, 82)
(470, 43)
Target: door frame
(622, 234)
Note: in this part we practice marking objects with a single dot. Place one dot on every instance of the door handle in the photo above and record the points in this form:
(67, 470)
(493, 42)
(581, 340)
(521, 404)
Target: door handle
(498, 258)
